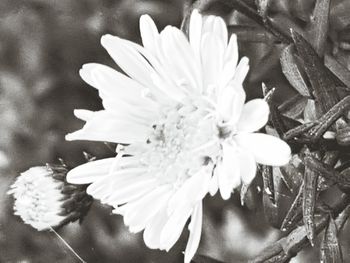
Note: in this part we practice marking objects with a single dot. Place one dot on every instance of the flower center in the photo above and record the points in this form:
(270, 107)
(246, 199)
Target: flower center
(181, 143)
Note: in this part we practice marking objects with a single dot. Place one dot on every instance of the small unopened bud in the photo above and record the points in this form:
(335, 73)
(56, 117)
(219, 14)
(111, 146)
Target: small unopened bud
(44, 200)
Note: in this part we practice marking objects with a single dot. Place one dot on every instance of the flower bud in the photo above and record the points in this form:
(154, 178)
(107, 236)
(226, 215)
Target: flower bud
(43, 199)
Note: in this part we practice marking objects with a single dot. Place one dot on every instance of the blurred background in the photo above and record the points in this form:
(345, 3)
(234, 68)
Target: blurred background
(43, 44)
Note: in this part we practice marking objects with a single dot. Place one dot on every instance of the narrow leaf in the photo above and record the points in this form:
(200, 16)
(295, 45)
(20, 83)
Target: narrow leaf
(269, 202)
(292, 176)
(291, 71)
(268, 182)
(294, 214)
(309, 199)
(323, 85)
(338, 69)
(293, 107)
(342, 218)
(319, 23)
(298, 237)
(330, 247)
(248, 33)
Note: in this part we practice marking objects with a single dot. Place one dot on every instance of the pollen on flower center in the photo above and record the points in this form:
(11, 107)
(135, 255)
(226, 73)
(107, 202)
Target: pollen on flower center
(181, 142)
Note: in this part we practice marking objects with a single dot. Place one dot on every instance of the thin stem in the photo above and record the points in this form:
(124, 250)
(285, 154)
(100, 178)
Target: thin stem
(67, 245)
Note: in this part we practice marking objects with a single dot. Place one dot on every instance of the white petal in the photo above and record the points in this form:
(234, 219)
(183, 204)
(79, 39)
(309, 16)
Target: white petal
(114, 182)
(90, 172)
(266, 149)
(100, 189)
(84, 115)
(214, 184)
(180, 58)
(86, 73)
(247, 166)
(174, 226)
(241, 70)
(195, 32)
(212, 52)
(144, 209)
(230, 103)
(195, 228)
(106, 126)
(220, 30)
(228, 171)
(208, 25)
(119, 92)
(129, 59)
(231, 53)
(193, 190)
(154, 228)
(130, 190)
(254, 116)
(149, 33)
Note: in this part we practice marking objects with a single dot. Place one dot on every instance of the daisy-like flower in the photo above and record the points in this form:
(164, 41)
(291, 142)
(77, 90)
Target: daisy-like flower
(180, 110)
(43, 200)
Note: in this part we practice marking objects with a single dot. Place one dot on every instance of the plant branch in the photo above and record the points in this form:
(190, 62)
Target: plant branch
(289, 246)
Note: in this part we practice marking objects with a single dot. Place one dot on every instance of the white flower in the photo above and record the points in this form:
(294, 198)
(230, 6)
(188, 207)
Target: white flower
(38, 198)
(181, 113)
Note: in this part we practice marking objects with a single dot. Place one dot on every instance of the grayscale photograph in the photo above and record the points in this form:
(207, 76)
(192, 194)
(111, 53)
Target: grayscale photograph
(174, 131)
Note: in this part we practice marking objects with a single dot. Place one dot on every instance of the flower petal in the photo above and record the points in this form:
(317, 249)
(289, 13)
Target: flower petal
(254, 116)
(154, 228)
(247, 166)
(174, 226)
(212, 53)
(149, 33)
(90, 172)
(195, 228)
(129, 190)
(230, 102)
(220, 30)
(193, 190)
(214, 184)
(195, 32)
(228, 171)
(105, 126)
(180, 59)
(144, 209)
(129, 59)
(267, 149)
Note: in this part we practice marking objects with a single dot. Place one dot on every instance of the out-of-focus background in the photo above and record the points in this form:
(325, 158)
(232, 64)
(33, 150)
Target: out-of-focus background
(43, 44)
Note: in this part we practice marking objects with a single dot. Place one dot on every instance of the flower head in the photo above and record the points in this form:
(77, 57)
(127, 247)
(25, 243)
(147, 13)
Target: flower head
(180, 110)
(43, 200)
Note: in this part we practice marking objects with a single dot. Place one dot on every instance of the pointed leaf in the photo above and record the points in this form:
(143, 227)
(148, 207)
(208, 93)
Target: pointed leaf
(291, 71)
(309, 199)
(342, 218)
(293, 107)
(248, 33)
(292, 176)
(268, 182)
(294, 214)
(323, 84)
(338, 69)
(330, 247)
(269, 202)
(319, 23)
